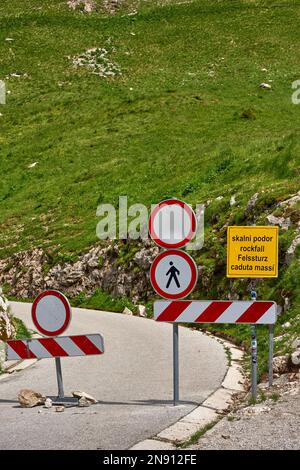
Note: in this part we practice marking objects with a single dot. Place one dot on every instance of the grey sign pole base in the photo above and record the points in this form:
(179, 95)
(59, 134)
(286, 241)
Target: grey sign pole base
(175, 365)
(61, 399)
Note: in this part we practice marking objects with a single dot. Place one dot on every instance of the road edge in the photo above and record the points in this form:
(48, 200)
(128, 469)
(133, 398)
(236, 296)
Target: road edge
(206, 415)
(17, 367)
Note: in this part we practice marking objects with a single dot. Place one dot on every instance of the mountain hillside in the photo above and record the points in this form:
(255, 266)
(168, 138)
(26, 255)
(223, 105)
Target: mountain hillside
(149, 100)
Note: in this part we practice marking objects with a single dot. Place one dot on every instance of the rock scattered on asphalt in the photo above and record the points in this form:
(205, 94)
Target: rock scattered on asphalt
(48, 403)
(29, 398)
(59, 409)
(85, 397)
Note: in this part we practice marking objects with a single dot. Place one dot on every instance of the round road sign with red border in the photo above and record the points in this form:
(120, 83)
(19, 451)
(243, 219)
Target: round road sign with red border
(172, 224)
(51, 313)
(173, 274)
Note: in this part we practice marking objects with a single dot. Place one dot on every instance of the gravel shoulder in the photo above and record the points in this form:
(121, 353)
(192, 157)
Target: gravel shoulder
(266, 425)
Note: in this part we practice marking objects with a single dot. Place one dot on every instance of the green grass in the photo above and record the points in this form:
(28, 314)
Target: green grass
(177, 122)
(198, 434)
(22, 331)
(186, 118)
(101, 300)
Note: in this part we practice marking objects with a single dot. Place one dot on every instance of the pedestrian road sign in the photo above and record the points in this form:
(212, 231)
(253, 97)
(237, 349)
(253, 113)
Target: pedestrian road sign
(173, 274)
(252, 251)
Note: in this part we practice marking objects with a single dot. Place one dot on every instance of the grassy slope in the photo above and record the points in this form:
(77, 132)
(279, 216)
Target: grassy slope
(172, 134)
(186, 118)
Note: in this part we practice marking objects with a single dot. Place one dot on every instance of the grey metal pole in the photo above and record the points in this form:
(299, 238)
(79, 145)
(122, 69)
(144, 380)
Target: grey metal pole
(271, 350)
(175, 364)
(253, 296)
(59, 378)
(254, 361)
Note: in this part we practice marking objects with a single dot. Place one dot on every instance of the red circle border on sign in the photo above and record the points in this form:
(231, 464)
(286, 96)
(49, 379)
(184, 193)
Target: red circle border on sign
(191, 285)
(191, 215)
(64, 300)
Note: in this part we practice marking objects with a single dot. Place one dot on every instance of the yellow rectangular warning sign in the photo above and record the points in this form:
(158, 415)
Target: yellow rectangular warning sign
(252, 251)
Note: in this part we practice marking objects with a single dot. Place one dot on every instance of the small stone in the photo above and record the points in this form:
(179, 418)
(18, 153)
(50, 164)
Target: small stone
(279, 338)
(280, 364)
(291, 249)
(225, 436)
(265, 86)
(29, 398)
(79, 394)
(256, 410)
(48, 403)
(59, 409)
(251, 203)
(127, 311)
(83, 402)
(232, 201)
(281, 221)
(296, 343)
(295, 358)
(287, 304)
(142, 310)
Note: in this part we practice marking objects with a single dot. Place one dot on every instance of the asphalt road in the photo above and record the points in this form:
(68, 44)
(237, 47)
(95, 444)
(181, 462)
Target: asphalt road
(132, 381)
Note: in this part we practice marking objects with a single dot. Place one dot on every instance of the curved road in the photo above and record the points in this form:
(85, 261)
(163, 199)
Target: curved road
(132, 381)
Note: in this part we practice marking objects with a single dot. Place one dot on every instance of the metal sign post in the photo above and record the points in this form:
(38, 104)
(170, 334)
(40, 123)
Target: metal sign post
(254, 362)
(175, 364)
(271, 352)
(60, 384)
(173, 273)
(253, 296)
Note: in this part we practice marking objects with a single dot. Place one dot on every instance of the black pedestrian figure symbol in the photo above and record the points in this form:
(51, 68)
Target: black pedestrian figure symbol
(172, 273)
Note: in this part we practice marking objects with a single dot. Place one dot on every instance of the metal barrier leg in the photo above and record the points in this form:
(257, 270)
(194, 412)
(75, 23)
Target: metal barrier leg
(175, 364)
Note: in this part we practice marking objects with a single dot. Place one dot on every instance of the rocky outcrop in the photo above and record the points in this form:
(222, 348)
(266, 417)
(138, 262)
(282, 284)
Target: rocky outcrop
(7, 329)
(292, 248)
(251, 204)
(88, 6)
(28, 273)
(24, 272)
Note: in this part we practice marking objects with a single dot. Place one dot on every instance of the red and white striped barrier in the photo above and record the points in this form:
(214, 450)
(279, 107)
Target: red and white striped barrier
(62, 346)
(215, 311)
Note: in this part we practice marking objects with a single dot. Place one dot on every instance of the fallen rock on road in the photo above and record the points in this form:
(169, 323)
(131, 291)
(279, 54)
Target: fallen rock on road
(85, 397)
(29, 398)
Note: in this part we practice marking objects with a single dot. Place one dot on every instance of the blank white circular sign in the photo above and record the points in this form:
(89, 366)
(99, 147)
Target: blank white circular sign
(51, 313)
